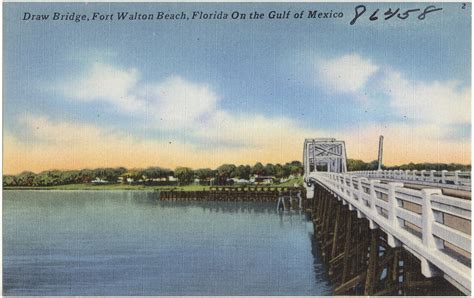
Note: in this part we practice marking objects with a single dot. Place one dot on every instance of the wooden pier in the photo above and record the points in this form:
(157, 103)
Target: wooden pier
(235, 194)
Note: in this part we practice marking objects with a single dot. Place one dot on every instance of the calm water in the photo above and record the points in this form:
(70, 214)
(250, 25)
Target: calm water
(129, 243)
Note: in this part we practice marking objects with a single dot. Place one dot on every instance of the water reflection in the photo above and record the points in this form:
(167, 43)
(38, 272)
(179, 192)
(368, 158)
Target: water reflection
(131, 243)
(320, 271)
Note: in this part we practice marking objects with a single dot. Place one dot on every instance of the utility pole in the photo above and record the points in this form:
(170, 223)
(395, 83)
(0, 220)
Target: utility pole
(380, 152)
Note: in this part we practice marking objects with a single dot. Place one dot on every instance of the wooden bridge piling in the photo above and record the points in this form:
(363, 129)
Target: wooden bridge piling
(359, 260)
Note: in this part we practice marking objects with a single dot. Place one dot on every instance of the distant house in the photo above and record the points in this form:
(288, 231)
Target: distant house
(221, 181)
(262, 179)
(171, 178)
(240, 181)
(98, 180)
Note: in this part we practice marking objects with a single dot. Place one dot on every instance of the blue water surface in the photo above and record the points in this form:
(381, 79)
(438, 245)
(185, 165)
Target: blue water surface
(130, 243)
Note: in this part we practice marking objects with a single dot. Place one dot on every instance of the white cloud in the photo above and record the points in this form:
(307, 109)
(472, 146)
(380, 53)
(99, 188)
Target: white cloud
(187, 109)
(346, 74)
(433, 109)
(434, 102)
(107, 83)
(68, 133)
(252, 130)
(171, 104)
(180, 103)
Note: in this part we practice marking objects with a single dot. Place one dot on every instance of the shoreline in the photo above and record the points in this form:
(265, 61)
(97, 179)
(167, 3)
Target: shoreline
(102, 187)
(109, 187)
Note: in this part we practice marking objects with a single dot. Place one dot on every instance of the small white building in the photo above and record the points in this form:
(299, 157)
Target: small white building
(98, 180)
(262, 179)
(240, 181)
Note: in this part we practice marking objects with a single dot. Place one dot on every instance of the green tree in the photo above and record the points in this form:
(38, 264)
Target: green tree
(155, 173)
(281, 171)
(356, 165)
(411, 166)
(43, 179)
(373, 165)
(243, 172)
(184, 175)
(68, 177)
(258, 169)
(25, 178)
(109, 174)
(9, 180)
(204, 174)
(149, 173)
(294, 168)
(270, 169)
(432, 166)
(226, 171)
(85, 176)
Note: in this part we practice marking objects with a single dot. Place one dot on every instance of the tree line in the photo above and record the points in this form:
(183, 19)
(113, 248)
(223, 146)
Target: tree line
(186, 175)
(359, 165)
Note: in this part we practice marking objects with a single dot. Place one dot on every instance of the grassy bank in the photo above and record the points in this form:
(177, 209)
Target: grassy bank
(110, 187)
(191, 187)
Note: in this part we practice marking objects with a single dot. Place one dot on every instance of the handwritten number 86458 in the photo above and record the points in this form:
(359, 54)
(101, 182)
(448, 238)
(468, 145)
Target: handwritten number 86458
(390, 13)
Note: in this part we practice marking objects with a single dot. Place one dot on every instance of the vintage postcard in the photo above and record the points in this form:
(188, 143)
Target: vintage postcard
(256, 149)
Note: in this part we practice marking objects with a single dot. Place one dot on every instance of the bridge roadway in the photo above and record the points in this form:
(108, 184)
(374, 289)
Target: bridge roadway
(432, 225)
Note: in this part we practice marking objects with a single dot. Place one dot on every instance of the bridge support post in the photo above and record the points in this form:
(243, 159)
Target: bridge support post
(443, 176)
(372, 225)
(279, 203)
(309, 190)
(371, 277)
(372, 196)
(321, 203)
(456, 177)
(325, 229)
(427, 229)
(331, 242)
(392, 212)
(335, 236)
(428, 218)
(347, 244)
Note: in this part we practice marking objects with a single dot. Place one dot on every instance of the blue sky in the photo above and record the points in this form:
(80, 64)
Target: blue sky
(251, 90)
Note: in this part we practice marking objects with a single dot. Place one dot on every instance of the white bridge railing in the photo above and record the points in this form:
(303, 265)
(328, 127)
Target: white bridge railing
(449, 179)
(434, 227)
